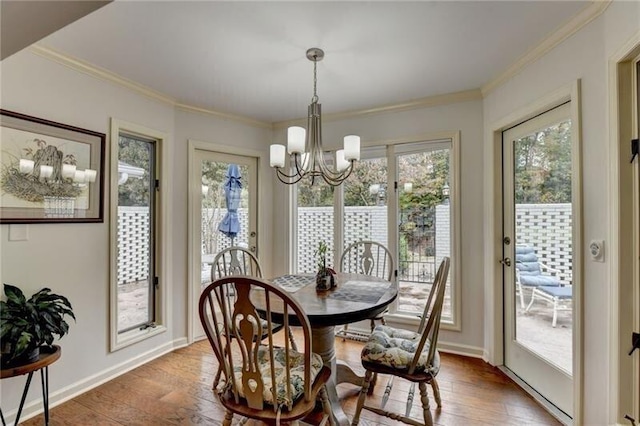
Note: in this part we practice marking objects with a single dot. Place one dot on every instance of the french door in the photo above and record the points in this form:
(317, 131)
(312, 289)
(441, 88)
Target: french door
(224, 212)
(538, 254)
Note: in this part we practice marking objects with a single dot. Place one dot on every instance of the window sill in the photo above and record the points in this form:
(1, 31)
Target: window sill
(134, 336)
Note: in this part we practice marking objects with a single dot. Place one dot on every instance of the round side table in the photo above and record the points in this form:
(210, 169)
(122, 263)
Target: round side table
(48, 355)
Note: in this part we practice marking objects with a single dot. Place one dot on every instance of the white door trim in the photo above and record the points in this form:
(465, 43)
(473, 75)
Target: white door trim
(494, 327)
(622, 249)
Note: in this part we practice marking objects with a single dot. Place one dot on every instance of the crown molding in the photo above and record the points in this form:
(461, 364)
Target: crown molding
(94, 71)
(587, 15)
(224, 115)
(430, 101)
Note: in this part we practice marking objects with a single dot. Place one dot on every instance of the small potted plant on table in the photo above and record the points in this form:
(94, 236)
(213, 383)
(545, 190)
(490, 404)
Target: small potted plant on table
(325, 277)
(28, 324)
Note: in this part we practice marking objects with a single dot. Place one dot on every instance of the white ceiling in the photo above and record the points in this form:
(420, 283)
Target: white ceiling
(248, 58)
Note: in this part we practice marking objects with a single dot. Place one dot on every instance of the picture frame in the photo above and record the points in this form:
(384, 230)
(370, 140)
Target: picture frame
(49, 172)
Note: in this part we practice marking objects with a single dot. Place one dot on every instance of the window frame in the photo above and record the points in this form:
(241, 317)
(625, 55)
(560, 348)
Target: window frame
(392, 149)
(160, 235)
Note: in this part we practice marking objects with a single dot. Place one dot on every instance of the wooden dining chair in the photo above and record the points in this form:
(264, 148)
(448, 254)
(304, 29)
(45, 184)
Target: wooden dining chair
(368, 258)
(409, 355)
(261, 380)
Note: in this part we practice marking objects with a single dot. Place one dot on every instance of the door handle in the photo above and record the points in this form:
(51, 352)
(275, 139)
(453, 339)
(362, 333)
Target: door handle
(506, 261)
(252, 249)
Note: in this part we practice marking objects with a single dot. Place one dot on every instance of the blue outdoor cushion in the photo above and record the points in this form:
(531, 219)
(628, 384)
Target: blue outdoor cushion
(559, 292)
(525, 250)
(539, 280)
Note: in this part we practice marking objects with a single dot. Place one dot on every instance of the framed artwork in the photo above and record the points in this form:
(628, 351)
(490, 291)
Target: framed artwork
(49, 172)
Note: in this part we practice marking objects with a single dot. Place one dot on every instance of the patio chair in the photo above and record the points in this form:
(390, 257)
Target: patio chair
(368, 258)
(559, 298)
(260, 380)
(529, 272)
(408, 355)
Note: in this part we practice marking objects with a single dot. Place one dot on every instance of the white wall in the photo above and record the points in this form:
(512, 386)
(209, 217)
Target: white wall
(583, 56)
(73, 259)
(465, 117)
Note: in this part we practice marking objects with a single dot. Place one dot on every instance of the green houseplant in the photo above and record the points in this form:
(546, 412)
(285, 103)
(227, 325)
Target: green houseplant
(28, 324)
(325, 279)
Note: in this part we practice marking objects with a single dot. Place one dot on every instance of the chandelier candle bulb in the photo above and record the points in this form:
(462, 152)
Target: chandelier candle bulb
(351, 147)
(276, 155)
(90, 175)
(79, 176)
(46, 171)
(295, 139)
(68, 171)
(26, 166)
(341, 162)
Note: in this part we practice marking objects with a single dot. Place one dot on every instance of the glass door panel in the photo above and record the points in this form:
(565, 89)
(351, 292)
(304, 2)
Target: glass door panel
(538, 250)
(226, 213)
(424, 225)
(366, 203)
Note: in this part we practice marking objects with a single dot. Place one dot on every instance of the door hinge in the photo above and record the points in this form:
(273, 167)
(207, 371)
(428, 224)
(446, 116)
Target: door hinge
(395, 273)
(157, 184)
(634, 149)
(156, 281)
(395, 186)
(635, 342)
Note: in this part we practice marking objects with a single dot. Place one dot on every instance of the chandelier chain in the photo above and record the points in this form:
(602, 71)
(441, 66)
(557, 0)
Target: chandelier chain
(315, 80)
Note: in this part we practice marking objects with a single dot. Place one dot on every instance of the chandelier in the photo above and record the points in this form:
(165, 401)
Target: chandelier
(306, 156)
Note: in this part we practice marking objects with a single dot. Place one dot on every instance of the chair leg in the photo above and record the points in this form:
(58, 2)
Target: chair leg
(426, 410)
(326, 406)
(521, 295)
(436, 392)
(533, 296)
(361, 398)
(228, 418)
(344, 332)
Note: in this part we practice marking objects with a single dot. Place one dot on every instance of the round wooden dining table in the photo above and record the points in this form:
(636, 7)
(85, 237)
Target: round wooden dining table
(356, 297)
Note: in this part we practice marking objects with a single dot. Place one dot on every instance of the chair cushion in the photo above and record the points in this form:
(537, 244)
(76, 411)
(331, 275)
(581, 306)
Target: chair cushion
(396, 348)
(524, 250)
(539, 280)
(528, 268)
(296, 374)
(559, 292)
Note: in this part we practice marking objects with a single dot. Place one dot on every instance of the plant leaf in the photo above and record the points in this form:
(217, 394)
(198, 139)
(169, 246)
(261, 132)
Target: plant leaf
(14, 294)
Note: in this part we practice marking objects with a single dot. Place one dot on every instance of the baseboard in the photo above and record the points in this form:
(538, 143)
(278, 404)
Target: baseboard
(33, 408)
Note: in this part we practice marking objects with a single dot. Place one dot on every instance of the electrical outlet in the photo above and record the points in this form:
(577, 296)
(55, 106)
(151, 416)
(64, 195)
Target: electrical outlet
(596, 249)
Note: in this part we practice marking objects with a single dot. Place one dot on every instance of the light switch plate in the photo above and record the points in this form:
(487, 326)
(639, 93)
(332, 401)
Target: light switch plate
(596, 250)
(18, 232)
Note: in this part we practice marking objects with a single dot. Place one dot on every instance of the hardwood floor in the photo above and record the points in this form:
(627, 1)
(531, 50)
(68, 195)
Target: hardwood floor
(176, 390)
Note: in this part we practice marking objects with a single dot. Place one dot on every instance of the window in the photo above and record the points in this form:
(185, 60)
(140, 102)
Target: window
(136, 254)
(403, 196)
(315, 219)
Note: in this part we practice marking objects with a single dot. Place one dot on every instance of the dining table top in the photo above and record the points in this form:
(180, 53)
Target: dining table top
(356, 297)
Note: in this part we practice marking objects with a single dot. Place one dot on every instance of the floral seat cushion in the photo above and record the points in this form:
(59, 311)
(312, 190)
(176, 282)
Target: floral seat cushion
(296, 375)
(396, 348)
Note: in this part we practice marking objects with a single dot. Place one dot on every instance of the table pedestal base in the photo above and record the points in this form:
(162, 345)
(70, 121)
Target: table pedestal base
(323, 339)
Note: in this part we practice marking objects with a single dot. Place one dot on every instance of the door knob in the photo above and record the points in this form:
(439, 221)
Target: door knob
(252, 249)
(506, 261)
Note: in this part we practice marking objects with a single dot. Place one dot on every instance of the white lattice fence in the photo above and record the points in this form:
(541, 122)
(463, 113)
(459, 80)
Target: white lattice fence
(316, 224)
(133, 244)
(547, 228)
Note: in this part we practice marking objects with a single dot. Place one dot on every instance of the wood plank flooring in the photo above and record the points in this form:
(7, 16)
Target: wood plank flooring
(176, 390)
